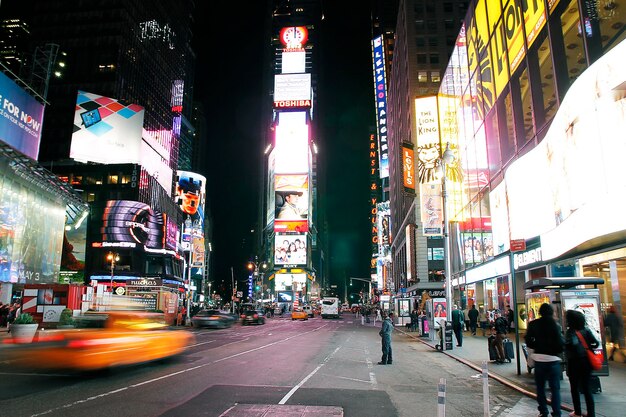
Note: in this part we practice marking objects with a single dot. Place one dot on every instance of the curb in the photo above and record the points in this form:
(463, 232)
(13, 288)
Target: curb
(492, 375)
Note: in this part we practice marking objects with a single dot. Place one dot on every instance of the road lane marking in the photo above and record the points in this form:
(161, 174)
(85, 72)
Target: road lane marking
(183, 371)
(306, 378)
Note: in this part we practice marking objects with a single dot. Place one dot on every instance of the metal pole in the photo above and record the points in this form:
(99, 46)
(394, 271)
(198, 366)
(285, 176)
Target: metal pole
(188, 314)
(446, 246)
(441, 398)
(515, 312)
(485, 378)
(232, 297)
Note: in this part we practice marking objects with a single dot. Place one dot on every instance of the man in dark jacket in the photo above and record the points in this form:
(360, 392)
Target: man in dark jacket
(385, 334)
(545, 337)
(501, 327)
(458, 319)
(473, 319)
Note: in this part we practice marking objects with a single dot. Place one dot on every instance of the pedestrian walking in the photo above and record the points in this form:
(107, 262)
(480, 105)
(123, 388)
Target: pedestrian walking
(466, 320)
(483, 318)
(614, 326)
(458, 321)
(578, 367)
(385, 334)
(510, 318)
(473, 319)
(545, 338)
(414, 320)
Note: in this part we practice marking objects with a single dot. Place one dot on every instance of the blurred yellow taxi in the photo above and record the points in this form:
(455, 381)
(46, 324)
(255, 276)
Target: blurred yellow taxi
(299, 314)
(102, 340)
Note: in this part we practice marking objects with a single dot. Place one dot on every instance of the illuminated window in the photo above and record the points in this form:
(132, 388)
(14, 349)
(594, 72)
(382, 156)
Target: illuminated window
(77, 179)
(125, 179)
(422, 76)
(90, 197)
(435, 77)
(113, 179)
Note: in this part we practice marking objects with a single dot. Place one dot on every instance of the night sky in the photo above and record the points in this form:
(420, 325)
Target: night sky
(229, 84)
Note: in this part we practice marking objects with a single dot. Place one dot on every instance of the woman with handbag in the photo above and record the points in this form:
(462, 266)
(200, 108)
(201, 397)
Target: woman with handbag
(578, 339)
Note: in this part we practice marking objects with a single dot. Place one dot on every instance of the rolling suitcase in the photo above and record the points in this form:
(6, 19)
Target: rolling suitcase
(508, 350)
(525, 350)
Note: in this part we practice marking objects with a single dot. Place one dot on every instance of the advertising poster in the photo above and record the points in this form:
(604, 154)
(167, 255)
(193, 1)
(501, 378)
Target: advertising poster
(292, 203)
(533, 302)
(432, 209)
(380, 89)
(290, 250)
(106, 130)
(587, 301)
(197, 259)
(73, 255)
(21, 117)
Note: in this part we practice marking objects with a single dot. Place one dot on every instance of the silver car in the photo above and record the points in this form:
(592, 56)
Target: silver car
(213, 318)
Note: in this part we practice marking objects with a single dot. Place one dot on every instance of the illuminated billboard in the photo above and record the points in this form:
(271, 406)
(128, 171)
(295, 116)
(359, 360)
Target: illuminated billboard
(293, 62)
(21, 117)
(125, 223)
(106, 130)
(383, 218)
(292, 87)
(292, 143)
(290, 249)
(408, 167)
(380, 90)
(292, 203)
(155, 160)
(290, 282)
(190, 195)
(31, 235)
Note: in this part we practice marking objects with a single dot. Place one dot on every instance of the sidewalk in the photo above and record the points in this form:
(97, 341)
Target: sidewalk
(610, 402)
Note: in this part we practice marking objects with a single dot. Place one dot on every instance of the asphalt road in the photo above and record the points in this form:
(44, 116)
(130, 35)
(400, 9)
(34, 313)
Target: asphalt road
(316, 362)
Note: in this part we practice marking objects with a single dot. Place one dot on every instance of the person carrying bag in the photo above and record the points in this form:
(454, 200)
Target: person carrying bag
(578, 340)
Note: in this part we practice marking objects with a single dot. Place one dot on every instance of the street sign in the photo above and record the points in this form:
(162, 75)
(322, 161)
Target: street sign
(518, 245)
(239, 294)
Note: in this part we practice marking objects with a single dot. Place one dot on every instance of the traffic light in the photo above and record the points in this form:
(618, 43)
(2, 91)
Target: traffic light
(256, 288)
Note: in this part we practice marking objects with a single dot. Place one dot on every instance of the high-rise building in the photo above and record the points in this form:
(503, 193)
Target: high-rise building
(125, 66)
(290, 216)
(416, 54)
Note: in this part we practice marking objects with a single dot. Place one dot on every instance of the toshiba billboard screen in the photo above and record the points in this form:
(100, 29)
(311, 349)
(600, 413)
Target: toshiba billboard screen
(292, 87)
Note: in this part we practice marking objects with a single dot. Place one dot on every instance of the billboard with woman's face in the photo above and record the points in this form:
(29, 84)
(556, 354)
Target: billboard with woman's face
(290, 250)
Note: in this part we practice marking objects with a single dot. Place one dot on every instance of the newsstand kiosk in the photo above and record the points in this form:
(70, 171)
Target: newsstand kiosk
(563, 295)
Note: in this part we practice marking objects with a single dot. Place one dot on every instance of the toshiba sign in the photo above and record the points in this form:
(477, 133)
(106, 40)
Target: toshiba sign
(291, 104)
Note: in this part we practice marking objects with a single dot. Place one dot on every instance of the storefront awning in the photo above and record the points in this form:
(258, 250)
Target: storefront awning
(561, 282)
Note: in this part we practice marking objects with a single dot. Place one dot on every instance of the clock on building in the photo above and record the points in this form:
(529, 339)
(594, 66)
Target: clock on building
(294, 36)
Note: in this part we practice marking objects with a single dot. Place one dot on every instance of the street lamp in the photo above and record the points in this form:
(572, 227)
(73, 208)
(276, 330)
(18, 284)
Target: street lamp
(447, 158)
(254, 267)
(113, 257)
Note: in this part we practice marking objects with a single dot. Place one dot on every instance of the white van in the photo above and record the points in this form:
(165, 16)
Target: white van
(330, 307)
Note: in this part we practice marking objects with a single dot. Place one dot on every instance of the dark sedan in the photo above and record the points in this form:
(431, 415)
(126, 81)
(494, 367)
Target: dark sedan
(252, 317)
(213, 318)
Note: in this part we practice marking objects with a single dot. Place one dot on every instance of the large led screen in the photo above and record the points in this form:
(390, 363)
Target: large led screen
(190, 194)
(155, 160)
(292, 143)
(125, 223)
(292, 203)
(31, 235)
(106, 130)
(290, 250)
(21, 117)
(290, 282)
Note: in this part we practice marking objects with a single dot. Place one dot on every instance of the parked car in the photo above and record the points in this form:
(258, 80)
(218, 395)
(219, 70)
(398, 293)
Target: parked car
(345, 308)
(309, 311)
(213, 318)
(98, 343)
(299, 314)
(252, 317)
